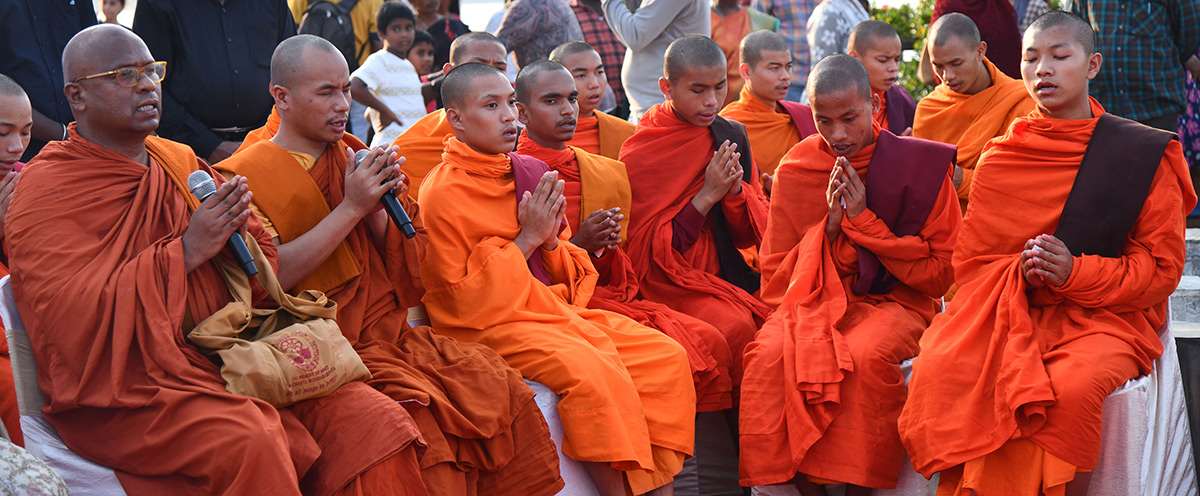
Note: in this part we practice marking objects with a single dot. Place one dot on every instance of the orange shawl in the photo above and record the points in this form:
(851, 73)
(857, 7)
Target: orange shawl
(969, 121)
(981, 379)
(772, 132)
(421, 146)
(601, 134)
(474, 411)
(131, 393)
(480, 289)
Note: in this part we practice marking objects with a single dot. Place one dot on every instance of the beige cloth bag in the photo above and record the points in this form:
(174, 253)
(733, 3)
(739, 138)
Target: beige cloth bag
(282, 356)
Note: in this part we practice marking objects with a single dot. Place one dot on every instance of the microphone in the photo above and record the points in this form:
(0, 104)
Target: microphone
(390, 203)
(202, 187)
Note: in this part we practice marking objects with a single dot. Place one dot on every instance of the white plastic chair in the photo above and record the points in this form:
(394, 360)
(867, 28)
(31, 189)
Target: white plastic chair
(82, 476)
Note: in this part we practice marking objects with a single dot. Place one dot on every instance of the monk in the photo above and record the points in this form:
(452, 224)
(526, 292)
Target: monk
(500, 270)
(877, 46)
(597, 193)
(691, 214)
(596, 132)
(16, 124)
(123, 386)
(422, 142)
(773, 124)
(856, 257)
(975, 101)
(484, 431)
(1070, 249)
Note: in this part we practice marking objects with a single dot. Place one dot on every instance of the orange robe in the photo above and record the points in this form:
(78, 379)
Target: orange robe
(601, 134)
(421, 145)
(823, 387)
(1011, 380)
(627, 394)
(484, 432)
(970, 121)
(728, 32)
(10, 413)
(123, 386)
(772, 131)
(666, 161)
(593, 183)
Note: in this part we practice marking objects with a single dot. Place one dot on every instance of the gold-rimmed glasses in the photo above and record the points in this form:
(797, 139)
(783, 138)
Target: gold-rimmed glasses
(128, 77)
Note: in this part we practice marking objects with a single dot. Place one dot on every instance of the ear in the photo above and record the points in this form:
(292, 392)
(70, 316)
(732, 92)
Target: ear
(522, 114)
(1094, 63)
(744, 70)
(281, 94)
(455, 119)
(853, 53)
(982, 49)
(875, 103)
(446, 68)
(665, 87)
(75, 98)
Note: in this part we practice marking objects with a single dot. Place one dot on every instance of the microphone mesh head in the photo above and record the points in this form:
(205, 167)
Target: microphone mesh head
(201, 184)
(360, 155)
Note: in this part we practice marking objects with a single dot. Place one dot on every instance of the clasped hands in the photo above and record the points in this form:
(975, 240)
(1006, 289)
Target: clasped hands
(540, 214)
(1046, 261)
(845, 196)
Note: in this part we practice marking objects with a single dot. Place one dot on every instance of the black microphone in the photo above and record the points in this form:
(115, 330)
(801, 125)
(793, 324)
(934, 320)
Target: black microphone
(202, 187)
(390, 203)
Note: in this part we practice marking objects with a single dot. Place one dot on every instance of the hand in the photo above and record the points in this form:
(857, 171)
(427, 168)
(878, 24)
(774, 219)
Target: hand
(223, 151)
(855, 194)
(7, 185)
(957, 178)
(722, 174)
(217, 218)
(599, 231)
(1193, 66)
(388, 117)
(540, 214)
(768, 182)
(367, 181)
(1046, 261)
(907, 132)
(835, 202)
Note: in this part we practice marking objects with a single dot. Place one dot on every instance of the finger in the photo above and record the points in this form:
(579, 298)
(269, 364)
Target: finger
(350, 165)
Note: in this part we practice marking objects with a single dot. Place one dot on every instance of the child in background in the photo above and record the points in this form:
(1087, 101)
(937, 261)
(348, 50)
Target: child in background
(421, 53)
(387, 82)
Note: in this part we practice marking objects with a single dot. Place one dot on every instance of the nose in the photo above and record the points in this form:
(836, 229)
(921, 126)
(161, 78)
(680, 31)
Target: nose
(509, 114)
(13, 145)
(838, 133)
(342, 103)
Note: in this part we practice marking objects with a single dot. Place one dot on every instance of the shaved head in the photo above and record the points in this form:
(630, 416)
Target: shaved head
(9, 87)
(458, 47)
(527, 79)
(1080, 30)
(568, 49)
(954, 25)
(866, 33)
(458, 82)
(691, 51)
(837, 73)
(289, 60)
(754, 44)
(97, 48)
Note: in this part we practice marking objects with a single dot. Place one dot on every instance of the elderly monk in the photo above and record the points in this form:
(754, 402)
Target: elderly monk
(856, 256)
(877, 46)
(691, 214)
(500, 270)
(597, 193)
(16, 124)
(596, 132)
(1071, 246)
(975, 101)
(123, 386)
(484, 431)
(773, 124)
(422, 142)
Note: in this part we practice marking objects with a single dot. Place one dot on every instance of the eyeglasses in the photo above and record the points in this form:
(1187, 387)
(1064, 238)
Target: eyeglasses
(129, 76)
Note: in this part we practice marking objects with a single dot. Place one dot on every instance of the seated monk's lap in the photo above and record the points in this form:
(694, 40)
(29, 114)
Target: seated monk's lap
(1084, 371)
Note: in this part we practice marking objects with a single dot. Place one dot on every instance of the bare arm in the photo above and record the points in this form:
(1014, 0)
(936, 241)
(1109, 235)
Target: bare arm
(363, 95)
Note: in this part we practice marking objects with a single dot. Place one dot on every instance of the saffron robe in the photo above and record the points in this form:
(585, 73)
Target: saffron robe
(970, 121)
(484, 431)
(1008, 363)
(823, 386)
(627, 395)
(10, 413)
(421, 145)
(896, 109)
(123, 386)
(601, 134)
(666, 160)
(772, 130)
(592, 183)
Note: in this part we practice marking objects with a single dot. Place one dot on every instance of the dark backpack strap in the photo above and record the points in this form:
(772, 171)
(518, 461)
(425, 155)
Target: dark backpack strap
(1111, 186)
(733, 265)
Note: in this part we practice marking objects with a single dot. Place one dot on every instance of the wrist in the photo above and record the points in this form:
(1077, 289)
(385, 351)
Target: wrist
(550, 244)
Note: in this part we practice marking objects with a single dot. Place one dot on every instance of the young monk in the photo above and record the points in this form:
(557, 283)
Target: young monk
(856, 256)
(596, 132)
(877, 46)
(422, 143)
(16, 126)
(500, 270)
(124, 388)
(696, 200)
(773, 124)
(975, 101)
(1070, 249)
(484, 431)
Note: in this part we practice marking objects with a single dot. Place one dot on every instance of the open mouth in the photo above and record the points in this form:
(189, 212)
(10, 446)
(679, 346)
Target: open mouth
(1044, 88)
(567, 124)
(510, 133)
(338, 125)
(150, 108)
(841, 149)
